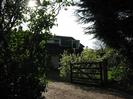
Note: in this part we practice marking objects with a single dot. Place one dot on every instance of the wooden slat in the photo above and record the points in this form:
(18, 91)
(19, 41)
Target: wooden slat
(86, 72)
(85, 68)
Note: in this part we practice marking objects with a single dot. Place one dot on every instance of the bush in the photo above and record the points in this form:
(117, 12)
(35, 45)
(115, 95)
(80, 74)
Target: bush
(23, 72)
(67, 59)
(115, 61)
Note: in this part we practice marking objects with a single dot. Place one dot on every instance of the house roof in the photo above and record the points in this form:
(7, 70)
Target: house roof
(63, 43)
(66, 38)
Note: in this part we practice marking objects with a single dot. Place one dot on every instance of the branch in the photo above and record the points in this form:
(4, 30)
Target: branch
(58, 9)
(13, 17)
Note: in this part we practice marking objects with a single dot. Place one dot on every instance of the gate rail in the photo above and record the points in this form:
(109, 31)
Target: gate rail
(89, 73)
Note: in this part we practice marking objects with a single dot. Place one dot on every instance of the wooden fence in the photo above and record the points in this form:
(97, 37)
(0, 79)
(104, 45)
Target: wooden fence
(89, 73)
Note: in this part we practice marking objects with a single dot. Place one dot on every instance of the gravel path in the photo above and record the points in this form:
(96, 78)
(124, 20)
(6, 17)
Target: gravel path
(61, 90)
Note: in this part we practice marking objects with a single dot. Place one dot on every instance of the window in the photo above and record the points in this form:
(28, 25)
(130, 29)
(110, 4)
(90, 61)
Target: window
(75, 44)
(54, 41)
(66, 43)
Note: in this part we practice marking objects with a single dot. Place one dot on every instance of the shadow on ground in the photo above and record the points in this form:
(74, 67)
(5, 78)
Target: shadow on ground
(60, 86)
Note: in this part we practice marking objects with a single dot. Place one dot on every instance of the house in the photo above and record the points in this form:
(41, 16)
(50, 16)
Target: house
(58, 44)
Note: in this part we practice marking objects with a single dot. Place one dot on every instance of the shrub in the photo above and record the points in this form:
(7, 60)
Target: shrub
(115, 61)
(67, 59)
(23, 72)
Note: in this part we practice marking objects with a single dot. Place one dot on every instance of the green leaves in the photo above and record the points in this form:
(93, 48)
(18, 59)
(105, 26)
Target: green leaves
(41, 21)
(66, 59)
(22, 52)
(25, 63)
(58, 1)
(46, 2)
(89, 55)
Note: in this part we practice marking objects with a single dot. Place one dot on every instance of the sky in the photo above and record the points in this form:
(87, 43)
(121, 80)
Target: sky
(68, 25)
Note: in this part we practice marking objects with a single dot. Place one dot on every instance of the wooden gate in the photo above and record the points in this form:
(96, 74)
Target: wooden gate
(88, 73)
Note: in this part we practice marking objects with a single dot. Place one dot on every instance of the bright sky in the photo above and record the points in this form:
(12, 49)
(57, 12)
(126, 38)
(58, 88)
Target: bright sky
(68, 26)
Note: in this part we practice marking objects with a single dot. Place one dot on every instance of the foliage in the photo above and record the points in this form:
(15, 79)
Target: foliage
(25, 71)
(67, 59)
(117, 70)
(116, 62)
(117, 73)
(89, 55)
(112, 23)
(22, 62)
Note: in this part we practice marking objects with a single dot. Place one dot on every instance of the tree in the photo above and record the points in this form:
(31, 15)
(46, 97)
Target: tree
(113, 20)
(99, 44)
(22, 64)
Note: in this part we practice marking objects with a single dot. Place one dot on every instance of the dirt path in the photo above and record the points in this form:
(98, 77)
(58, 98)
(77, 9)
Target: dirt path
(60, 90)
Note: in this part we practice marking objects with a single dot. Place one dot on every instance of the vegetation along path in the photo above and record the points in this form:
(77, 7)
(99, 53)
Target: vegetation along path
(62, 90)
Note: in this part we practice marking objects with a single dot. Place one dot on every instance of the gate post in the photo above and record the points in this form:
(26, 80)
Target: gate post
(105, 73)
(71, 73)
(101, 72)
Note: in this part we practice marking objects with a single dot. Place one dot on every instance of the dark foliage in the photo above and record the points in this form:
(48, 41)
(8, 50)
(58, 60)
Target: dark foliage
(113, 21)
(22, 53)
(23, 69)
